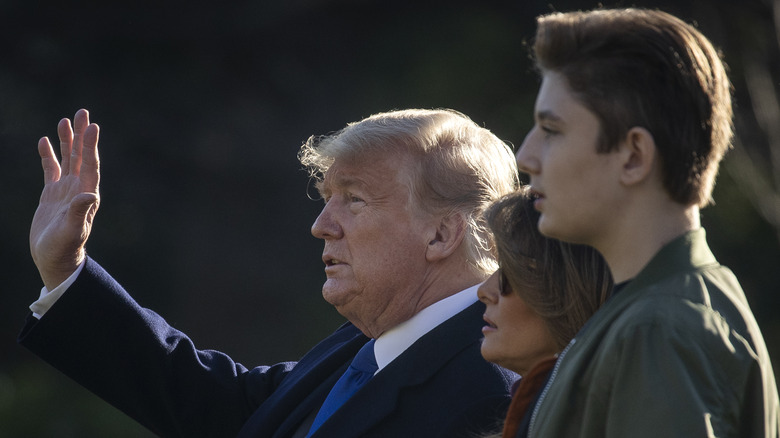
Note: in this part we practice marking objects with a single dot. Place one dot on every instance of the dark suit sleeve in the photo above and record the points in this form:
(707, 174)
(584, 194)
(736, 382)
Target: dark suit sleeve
(129, 356)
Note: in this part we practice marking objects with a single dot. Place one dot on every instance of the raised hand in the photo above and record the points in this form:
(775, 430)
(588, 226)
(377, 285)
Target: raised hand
(69, 201)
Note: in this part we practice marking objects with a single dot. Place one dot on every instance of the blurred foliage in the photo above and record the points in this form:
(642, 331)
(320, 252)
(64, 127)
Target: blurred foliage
(205, 216)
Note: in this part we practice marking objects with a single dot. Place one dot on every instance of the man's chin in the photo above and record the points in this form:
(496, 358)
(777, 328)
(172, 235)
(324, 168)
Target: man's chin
(337, 296)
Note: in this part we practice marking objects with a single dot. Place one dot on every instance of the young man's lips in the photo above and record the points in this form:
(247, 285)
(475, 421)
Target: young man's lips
(536, 194)
(538, 198)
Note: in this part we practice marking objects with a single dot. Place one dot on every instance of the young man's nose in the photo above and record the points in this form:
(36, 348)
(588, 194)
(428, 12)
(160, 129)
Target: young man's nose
(526, 161)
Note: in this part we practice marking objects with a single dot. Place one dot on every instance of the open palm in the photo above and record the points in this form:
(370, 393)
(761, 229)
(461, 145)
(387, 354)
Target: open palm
(69, 201)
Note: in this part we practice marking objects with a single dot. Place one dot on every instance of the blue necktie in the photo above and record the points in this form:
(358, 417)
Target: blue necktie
(360, 371)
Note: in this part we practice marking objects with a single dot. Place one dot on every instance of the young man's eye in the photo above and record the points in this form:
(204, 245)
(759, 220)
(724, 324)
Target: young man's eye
(548, 132)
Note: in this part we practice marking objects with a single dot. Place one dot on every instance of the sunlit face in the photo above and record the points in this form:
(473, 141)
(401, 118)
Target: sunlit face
(516, 337)
(375, 242)
(577, 187)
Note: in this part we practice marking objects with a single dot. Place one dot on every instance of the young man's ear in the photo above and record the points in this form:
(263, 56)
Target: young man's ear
(449, 234)
(638, 153)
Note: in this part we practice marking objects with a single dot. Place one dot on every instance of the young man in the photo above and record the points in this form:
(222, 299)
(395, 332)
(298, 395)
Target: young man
(631, 121)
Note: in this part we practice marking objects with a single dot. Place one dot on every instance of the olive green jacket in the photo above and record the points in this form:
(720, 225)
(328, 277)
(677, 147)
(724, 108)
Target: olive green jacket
(676, 353)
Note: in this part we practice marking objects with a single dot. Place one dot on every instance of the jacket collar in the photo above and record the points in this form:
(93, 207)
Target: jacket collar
(687, 252)
(419, 363)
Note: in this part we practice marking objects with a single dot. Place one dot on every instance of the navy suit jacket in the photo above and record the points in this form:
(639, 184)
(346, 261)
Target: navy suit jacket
(129, 356)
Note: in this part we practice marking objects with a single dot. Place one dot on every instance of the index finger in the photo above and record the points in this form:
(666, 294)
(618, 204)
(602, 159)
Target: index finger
(51, 168)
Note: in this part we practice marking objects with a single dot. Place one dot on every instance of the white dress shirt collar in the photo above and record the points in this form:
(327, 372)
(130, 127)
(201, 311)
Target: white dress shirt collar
(396, 340)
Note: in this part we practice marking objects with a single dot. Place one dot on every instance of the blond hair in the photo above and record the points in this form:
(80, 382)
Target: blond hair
(457, 166)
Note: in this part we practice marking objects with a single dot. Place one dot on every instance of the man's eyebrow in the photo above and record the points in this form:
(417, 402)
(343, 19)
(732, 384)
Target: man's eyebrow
(547, 115)
(339, 182)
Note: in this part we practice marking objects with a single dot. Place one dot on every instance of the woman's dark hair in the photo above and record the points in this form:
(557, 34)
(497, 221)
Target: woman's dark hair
(563, 283)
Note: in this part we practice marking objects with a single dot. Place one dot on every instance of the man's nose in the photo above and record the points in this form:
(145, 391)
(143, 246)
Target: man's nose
(527, 162)
(326, 226)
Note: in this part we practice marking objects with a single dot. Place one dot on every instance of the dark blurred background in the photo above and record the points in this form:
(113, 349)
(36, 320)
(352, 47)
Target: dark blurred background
(203, 106)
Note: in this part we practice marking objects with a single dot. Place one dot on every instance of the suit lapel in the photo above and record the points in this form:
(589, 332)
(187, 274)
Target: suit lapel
(305, 386)
(309, 406)
(419, 363)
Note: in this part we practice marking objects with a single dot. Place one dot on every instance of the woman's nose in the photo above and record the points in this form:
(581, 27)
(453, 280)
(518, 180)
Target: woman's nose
(488, 291)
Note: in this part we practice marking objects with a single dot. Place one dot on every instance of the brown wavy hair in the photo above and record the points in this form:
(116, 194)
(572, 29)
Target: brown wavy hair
(563, 283)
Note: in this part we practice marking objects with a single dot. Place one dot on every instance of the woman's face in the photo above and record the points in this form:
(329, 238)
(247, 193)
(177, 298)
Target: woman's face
(516, 337)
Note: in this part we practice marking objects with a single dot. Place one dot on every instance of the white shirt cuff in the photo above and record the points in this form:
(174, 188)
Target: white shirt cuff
(48, 298)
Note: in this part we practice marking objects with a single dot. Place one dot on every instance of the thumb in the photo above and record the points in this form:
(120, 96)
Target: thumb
(83, 207)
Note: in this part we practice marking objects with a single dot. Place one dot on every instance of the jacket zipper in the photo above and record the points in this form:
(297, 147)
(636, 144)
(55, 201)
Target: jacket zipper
(547, 387)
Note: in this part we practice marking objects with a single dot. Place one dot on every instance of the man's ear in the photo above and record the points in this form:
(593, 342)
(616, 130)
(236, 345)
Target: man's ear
(449, 233)
(638, 153)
